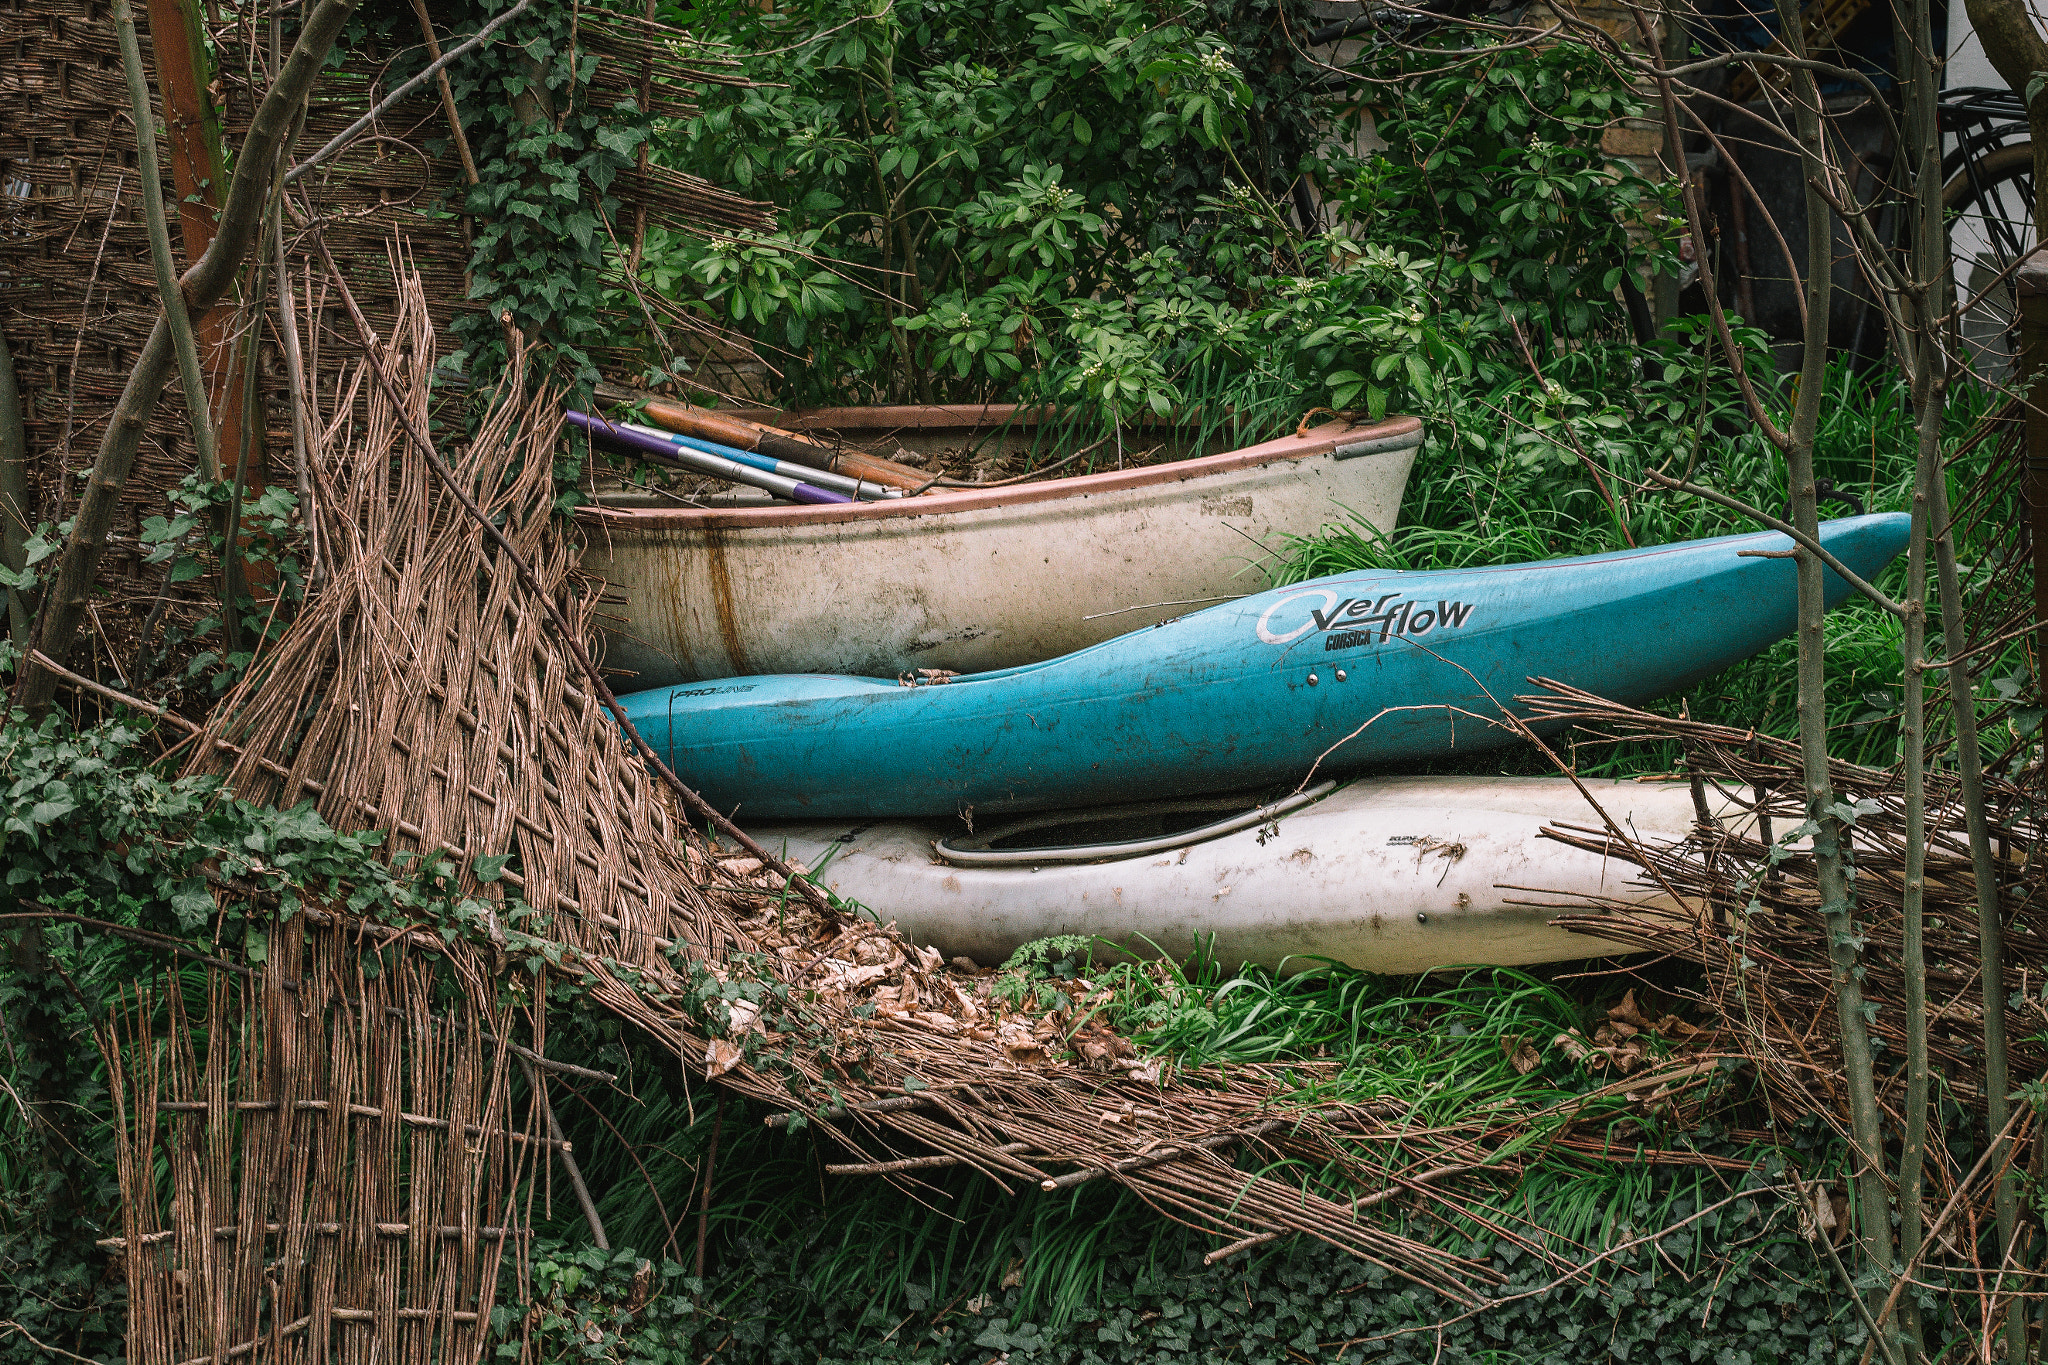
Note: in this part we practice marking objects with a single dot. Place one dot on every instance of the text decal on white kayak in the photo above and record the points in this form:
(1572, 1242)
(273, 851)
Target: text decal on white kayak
(1361, 620)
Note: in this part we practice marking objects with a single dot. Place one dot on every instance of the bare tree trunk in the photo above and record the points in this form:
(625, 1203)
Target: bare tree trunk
(1984, 867)
(185, 342)
(1833, 852)
(1924, 298)
(2016, 47)
(199, 173)
(1927, 408)
(202, 286)
(1913, 759)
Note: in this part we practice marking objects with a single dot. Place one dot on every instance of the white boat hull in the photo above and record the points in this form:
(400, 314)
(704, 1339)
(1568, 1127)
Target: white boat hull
(971, 580)
(1394, 875)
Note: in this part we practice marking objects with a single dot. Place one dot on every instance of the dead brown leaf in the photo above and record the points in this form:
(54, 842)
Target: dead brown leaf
(1018, 1043)
(1520, 1054)
(1100, 1047)
(721, 1056)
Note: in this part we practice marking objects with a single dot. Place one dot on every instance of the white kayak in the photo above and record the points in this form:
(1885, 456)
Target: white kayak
(975, 579)
(1394, 875)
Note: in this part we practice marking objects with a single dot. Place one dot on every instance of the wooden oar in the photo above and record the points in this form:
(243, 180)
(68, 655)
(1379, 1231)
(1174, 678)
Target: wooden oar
(782, 445)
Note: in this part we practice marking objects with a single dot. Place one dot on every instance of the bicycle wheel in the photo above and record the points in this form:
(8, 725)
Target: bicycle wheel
(1992, 202)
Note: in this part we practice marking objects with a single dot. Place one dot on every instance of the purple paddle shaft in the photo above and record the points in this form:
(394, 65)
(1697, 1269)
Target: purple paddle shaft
(625, 438)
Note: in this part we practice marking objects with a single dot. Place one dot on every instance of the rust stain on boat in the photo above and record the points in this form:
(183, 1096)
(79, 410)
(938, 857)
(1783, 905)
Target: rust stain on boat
(722, 599)
(673, 566)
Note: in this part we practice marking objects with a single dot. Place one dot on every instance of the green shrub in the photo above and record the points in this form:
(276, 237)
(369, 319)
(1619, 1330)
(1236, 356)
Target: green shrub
(1081, 202)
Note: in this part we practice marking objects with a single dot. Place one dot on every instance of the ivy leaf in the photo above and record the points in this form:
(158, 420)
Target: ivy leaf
(51, 810)
(491, 867)
(625, 141)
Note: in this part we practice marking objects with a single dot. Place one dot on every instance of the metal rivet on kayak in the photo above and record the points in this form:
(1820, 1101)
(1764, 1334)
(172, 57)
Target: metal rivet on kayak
(1311, 680)
(1340, 675)
(1422, 917)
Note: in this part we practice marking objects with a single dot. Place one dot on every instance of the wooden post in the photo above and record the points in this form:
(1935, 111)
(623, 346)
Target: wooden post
(2031, 287)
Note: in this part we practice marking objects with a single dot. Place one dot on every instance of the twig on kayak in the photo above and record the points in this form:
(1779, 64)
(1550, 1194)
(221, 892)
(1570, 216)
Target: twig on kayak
(1190, 602)
(1785, 528)
(1385, 711)
(372, 349)
(1521, 727)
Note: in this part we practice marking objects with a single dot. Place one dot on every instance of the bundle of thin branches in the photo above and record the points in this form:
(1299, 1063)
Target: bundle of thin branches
(301, 1176)
(1759, 933)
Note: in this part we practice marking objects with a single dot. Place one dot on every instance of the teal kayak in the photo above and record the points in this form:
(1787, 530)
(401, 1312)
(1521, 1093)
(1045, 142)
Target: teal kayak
(1330, 675)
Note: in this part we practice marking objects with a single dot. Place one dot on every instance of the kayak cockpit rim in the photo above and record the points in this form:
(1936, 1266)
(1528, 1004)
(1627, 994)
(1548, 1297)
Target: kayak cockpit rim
(978, 850)
(1342, 440)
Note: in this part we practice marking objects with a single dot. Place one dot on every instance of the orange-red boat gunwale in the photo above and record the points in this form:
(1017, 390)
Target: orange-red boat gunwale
(1317, 441)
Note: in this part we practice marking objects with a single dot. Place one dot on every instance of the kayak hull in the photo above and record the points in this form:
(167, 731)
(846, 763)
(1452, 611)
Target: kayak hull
(971, 580)
(1319, 678)
(1393, 875)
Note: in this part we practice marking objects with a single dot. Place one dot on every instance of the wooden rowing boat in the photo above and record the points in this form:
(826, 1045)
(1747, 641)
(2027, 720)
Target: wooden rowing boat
(975, 579)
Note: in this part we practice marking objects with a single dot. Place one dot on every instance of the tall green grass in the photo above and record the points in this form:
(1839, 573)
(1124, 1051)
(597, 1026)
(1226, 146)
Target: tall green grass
(1439, 1049)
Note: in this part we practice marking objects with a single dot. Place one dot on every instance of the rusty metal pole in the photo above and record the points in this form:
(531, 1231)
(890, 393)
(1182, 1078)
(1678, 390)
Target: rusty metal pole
(2031, 287)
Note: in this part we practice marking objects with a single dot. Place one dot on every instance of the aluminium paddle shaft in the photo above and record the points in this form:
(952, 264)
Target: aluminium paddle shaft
(822, 478)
